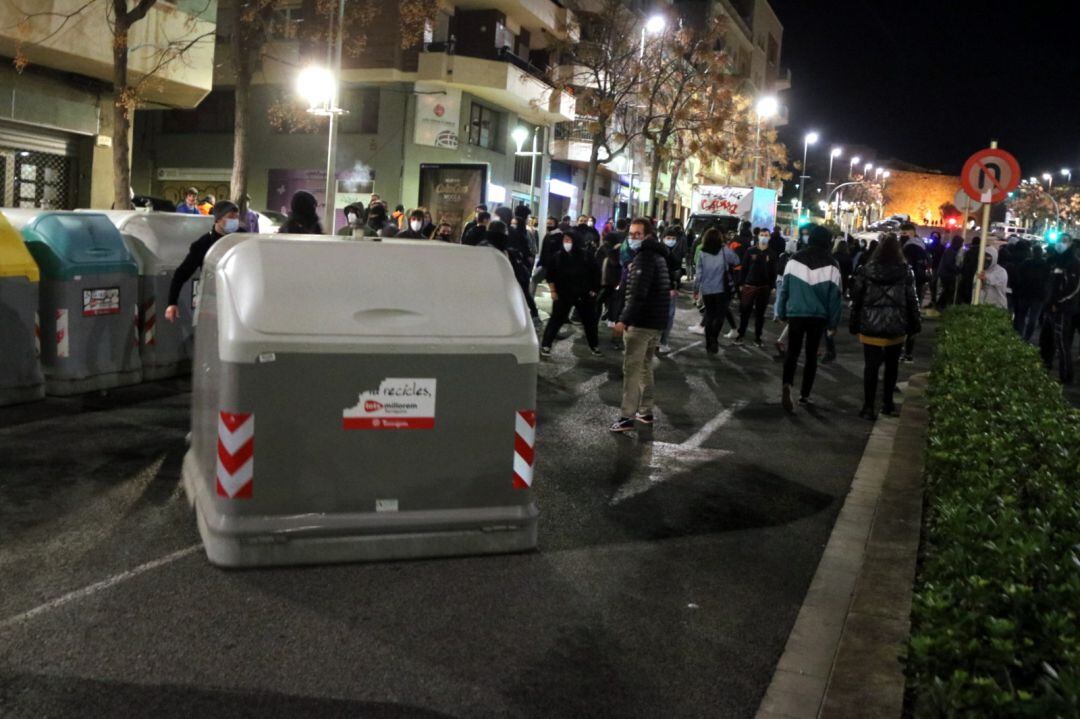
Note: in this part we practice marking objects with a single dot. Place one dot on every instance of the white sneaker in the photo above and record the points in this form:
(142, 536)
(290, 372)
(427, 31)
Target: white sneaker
(731, 335)
(696, 330)
(663, 349)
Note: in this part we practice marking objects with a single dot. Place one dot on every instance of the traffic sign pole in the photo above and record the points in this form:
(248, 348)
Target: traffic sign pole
(975, 299)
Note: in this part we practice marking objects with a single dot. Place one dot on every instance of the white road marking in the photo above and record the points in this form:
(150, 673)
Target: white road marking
(98, 586)
(699, 437)
(683, 349)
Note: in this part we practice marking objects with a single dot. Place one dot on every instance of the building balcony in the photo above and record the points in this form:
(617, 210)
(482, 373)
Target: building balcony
(532, 15)
(782, 81)
(509, 82)
(82, 45)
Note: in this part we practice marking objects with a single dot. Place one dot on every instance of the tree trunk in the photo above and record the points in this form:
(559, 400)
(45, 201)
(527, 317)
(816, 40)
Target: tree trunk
(654, 179)
(121, 118)
(672, 191)
(242, 64)
(590, 177)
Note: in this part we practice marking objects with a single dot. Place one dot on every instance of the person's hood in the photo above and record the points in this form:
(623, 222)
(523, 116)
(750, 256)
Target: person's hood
(993, 253)
(496, 239)
(304, 204)
(505, 214)
(820, 237)
(886, 273)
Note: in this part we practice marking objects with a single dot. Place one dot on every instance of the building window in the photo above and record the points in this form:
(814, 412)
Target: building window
(37, 179)
(288, 20)
(216, 113)
(485, 126)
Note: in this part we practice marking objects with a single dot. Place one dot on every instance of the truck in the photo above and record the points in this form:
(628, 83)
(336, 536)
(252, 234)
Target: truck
(725, 207)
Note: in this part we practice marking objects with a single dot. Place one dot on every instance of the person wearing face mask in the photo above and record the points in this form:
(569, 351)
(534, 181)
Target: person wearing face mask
(549, 246)
(1062, 304)
(444, 232)
(354, 219)
(758, 277)
(573, 277)
(428, 230)
(416, 224)
(674, 261)
(995, 281)
(226, 221)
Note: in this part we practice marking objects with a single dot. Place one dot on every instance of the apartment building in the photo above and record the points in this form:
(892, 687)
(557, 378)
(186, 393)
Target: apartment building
(435, 117)
(56, 115)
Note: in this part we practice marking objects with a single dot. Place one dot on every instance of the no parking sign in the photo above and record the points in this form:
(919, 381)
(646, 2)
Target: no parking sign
(990, 175)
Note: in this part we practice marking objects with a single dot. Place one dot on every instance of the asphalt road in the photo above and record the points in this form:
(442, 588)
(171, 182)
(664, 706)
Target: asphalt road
(670, 570)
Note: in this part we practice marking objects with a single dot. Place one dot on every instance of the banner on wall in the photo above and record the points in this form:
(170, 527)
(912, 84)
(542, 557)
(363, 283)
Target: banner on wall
(438, 116)
(353, 185)
(451, 191)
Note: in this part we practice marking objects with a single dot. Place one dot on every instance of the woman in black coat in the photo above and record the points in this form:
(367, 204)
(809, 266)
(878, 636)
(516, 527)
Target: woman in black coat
(884, 312)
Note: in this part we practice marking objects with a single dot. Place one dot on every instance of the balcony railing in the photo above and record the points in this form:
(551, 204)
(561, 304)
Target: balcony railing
(577, 131)
(504, 54)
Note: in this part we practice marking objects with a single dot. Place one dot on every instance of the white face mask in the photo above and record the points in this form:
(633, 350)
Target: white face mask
(350, 218)
(568, 246)
(671, 242)
(232, 224)
(763, 239)
(415, 225)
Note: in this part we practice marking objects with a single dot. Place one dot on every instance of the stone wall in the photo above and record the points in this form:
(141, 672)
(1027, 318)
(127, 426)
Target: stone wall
(919, 193)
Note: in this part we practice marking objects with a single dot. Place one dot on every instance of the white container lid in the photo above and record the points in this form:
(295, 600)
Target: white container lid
(159, 240)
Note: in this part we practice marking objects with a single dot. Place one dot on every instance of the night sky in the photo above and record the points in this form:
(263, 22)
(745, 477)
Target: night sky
(929, 82)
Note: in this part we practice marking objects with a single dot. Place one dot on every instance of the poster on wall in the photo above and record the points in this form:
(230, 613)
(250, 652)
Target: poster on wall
(438, 116)
(451, 191)
(764, 212)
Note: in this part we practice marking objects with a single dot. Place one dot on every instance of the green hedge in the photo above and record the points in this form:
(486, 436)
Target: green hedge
(994, 619)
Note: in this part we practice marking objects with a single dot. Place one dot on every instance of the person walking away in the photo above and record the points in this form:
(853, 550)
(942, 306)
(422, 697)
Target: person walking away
(573, 277)
(303, 219)
(969, 264)
(478, 232)
(190, 205)
(226, 221)
(549, 244)
(644, 316)
(713, 284)
(919, 261)
(948, 271)
(474, 222)
(995, 281)
(758, 278)
(843, 260)
(811, 303)
(884, 309)
(791, 247)
(610, 274)
(1062, 304)
(1029, 292)
(936, 250)
(416, 226)
(519, 237)
(497, 238)
(674, 260)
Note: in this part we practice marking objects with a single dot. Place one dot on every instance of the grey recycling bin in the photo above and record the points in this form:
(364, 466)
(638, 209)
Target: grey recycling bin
(89, 298)
(20, 369)
(361, 401)
(159, 241)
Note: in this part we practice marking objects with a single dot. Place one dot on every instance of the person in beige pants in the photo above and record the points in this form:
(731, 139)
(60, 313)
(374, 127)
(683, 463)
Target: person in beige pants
(644, 317)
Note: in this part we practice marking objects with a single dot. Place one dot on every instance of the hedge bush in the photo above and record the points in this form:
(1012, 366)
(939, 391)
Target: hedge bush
(994, 619)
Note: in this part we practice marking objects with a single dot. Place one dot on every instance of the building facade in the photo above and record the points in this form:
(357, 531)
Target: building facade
(448, 102)
(56, 119)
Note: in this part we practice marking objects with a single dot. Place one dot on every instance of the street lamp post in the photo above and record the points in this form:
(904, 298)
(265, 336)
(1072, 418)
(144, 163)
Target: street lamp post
(654, 26)
(851, 166)
(1050, 179)
(320, 87)
(833, 154)
(1067, 174)
(808, 140)
(520, 134)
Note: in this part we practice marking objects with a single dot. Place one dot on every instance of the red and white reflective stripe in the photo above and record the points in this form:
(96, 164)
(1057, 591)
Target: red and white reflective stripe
(37, 335)
(150, 323)
(63, 346)
(236, 455)
(524, 444)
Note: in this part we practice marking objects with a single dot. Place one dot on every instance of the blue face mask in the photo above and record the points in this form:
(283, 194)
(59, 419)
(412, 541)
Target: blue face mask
(671, 242)
(635, 244)
(232, 224)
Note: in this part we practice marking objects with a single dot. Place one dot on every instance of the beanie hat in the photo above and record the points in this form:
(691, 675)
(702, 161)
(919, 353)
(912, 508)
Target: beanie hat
(820, 237)
(222, 208)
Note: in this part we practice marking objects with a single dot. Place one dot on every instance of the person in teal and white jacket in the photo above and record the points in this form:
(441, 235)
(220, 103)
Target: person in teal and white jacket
(811, 302)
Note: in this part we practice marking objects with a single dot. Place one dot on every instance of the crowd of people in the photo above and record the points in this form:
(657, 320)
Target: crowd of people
(628, 275)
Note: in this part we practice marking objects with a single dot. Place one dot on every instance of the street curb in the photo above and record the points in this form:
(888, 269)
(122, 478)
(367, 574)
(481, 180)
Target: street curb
(842, 658)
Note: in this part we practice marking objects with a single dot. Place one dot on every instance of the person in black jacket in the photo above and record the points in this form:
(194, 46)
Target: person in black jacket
(644, 317)
(758, 279)
(226, 221)
(674, 261)
(303, 219)
(918, 260)
(610, 273)
(948, 273)
(1029, 292)
(573, 277)
(497, 239)
(1062, 303)
(884, 310)
(478, 230)
(415, 227)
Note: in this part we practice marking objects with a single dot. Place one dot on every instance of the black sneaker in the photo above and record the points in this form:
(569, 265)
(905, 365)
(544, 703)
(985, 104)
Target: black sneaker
(595, 352)
(738, 341)
(545, 351)
(759, 344)
(892, 411)
(623, 424)
(785, 398)
(805, 402)
(644, 418)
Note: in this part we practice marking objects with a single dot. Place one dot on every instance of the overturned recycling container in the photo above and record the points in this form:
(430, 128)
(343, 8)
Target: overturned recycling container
(89, 300)
(355, 401)
(159, 242)
(20, 369)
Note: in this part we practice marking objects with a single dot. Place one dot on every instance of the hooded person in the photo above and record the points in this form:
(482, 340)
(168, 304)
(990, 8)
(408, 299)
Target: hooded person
(415, 228)
(303, 218)
(354, 219)
(496, 238)
(811, 302)
(226, 221)
(573, 277)
(376, 220)
(995, 281)
(1062, 305)
(520, 236)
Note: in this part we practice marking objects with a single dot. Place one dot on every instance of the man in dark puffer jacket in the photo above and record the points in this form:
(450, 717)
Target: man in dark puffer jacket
(644, 317)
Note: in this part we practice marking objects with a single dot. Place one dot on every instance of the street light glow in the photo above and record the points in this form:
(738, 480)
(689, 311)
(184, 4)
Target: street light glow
(886, 174)
(837, 151)
(866, 169)
(768, 107)
(1047, 176)
(1066, 171)
(655, 24)
(856, 160)
(520, 135)
(316, 85)
(811, 138)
